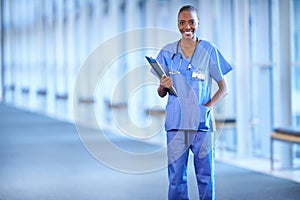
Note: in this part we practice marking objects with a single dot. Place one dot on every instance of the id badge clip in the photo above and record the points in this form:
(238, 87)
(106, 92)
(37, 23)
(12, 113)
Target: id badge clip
(198, 75)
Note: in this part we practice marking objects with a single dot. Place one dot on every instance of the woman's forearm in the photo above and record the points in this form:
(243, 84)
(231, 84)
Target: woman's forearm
(219, 95)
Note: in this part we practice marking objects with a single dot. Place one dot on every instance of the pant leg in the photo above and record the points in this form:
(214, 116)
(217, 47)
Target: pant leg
(204, 164)
(178, 153)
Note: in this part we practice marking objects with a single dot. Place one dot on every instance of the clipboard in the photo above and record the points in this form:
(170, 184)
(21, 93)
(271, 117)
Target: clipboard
(160, 72)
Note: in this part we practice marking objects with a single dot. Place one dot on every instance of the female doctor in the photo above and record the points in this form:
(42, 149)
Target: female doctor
(191, 65)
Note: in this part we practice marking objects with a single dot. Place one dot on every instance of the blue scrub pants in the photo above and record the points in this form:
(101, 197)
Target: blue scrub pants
(179, 145)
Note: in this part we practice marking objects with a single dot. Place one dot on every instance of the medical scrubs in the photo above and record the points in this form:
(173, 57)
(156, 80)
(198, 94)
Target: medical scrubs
(188, 121)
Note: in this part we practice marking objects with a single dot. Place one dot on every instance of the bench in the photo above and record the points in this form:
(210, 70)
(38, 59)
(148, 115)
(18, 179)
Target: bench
(284, 134)
(225, 123)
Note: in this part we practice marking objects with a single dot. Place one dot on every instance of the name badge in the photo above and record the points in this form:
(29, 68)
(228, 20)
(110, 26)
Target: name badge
(197, 75)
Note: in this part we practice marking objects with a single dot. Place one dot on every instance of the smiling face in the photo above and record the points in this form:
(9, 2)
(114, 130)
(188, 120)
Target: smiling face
(187, 24)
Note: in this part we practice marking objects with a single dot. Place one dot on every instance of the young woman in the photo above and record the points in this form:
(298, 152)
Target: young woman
(191, 64)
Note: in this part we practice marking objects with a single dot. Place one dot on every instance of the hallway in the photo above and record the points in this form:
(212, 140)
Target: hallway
(43, 158)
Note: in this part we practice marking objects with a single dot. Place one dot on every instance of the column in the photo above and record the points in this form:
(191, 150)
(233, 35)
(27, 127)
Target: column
(61, 93)
(38, 34)
(71, 50)
(49, 47)
(35, 55)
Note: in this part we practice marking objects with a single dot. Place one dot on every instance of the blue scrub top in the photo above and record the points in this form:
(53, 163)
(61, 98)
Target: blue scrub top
(187, 111)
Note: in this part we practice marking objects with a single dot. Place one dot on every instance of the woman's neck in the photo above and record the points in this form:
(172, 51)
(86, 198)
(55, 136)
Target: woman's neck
(187, 43)
(188, 46)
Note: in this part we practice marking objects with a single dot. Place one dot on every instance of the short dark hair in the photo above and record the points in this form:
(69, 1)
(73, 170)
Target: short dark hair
(189, 8)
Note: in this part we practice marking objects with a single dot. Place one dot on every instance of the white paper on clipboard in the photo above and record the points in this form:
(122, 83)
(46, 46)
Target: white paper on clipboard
(160, 72)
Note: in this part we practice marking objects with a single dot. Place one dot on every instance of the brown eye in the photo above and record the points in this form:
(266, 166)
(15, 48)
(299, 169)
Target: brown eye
(192, 23)
(181, 23)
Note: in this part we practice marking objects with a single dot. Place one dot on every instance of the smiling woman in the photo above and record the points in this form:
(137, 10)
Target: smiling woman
(45, 43)
(188, 116)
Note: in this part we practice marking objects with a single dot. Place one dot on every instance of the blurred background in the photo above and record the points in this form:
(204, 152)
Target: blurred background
(46, 43)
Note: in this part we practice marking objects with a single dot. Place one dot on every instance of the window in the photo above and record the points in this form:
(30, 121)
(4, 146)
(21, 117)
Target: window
(295, 43)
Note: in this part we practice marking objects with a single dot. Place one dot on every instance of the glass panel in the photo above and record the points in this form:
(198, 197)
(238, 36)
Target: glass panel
(296, 31)
(7, 61)
(295, 41)
(223, 36)
(296, 69)
(260, 76)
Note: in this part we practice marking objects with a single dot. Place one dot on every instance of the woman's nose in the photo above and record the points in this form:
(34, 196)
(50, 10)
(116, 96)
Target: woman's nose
(187, 26)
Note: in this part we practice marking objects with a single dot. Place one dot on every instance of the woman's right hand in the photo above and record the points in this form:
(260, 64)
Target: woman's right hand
(166, 82)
